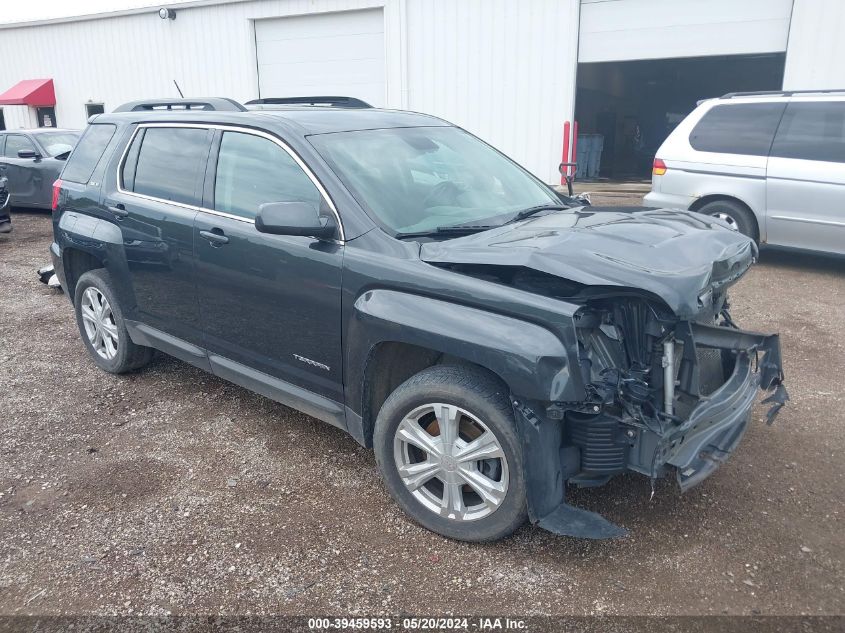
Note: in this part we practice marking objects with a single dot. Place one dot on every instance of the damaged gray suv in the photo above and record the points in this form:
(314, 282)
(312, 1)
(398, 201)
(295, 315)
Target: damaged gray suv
(396, 277)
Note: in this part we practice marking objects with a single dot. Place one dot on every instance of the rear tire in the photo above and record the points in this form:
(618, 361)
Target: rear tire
(734, 213)
(102, 326)
(472, 487)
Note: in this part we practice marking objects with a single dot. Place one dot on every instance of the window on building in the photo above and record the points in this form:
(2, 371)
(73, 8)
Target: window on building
(16, 143)
(87, 153)
(252, 171)
(744, 128)
(812, 131)
(94, 108)
(169, 163)
(2, 120)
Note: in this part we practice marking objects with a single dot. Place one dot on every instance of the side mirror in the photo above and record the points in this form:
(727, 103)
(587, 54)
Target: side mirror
(28, 153)
(294, 218)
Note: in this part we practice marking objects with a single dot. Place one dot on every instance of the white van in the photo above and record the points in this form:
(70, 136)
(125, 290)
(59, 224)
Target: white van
(770, 164)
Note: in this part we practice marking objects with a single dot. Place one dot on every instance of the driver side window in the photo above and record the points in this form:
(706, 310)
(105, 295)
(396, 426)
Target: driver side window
(252, 170)
(15, 143)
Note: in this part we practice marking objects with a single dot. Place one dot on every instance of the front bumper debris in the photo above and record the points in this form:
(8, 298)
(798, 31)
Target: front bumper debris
(692, 445)
(47, 275)
(545, 484)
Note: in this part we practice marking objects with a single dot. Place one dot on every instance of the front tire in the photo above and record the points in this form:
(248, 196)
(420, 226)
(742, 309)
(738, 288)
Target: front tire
(102, 326)
(447, 447)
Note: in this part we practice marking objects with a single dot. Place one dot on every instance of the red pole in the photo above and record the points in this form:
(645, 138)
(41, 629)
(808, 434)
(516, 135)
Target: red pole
(574, 146)
(565, 157)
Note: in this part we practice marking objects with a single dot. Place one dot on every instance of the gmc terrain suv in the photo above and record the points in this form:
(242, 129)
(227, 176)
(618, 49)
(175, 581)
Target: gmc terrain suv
(771, 164)
(395, 276)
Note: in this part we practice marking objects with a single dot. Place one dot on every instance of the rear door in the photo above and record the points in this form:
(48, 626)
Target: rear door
(19, 171)
(268, 302)
(805, 180)
(154, 204)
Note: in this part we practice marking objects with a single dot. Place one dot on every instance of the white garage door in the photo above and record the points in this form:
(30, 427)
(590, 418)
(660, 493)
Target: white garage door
(620, 30)
(321, 55)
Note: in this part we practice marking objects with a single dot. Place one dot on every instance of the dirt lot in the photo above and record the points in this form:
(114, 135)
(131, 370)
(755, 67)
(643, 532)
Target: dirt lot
(173, 491)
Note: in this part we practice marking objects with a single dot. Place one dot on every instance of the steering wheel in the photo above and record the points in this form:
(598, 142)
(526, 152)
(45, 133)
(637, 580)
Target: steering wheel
(443, 193)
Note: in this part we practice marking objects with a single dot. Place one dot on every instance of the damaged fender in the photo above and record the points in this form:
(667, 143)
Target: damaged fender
(545, 481)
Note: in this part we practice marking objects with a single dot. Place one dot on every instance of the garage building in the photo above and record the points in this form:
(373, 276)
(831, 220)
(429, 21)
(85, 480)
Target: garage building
(518, 73)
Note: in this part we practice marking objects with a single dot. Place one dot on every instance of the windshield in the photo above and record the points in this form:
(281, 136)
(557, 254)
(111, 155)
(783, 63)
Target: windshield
(55, 143)
(418, 179)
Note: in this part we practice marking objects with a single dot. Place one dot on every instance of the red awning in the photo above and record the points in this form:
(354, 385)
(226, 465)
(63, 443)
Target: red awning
(32, 92)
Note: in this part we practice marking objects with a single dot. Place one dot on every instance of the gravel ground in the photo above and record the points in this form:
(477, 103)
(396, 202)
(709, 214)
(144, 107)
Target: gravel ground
(170, 490)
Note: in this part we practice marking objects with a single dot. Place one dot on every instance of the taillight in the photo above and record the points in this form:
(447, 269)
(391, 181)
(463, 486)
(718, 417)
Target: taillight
(57, 187)
(658, 168)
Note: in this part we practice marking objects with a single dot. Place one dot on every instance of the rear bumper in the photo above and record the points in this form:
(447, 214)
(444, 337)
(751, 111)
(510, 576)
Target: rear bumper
(58, 267)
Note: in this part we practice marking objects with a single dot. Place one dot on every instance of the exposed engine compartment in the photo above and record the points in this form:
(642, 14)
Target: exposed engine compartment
(667, 385)
(645, 373)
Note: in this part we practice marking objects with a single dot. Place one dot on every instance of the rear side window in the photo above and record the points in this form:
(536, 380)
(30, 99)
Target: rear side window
(252, 171)
(15, 143)
(87, 153)
(169, 162)
(812, 131)
(746, 128)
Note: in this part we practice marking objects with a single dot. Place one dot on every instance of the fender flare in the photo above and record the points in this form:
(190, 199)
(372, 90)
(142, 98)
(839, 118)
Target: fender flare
(529, 358)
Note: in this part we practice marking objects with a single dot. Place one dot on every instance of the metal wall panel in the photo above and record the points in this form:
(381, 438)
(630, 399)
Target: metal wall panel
(503, 70)
(618, 30)
(18, 117)
(816, 46)
(209, 50)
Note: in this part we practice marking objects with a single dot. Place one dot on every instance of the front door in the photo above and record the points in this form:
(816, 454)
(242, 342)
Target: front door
(155, 206)
(805, 178)
(269, 302)
(22, 177)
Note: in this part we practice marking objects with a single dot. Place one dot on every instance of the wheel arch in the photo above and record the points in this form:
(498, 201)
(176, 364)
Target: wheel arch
(389, 364)
(394, 335)
(717, 197)
(76, 262)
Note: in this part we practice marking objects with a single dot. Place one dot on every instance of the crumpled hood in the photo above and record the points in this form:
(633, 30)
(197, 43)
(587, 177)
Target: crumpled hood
(673, 254)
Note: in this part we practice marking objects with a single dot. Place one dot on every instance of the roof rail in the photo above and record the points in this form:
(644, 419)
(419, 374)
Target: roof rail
(334, 102)
(214, 104)
(779, 93)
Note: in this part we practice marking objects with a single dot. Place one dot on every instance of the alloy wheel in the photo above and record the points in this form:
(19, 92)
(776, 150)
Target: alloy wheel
(728, 219)
(98, 321)
(451, 462)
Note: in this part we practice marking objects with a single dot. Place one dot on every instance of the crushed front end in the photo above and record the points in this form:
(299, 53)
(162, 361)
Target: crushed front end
(664, 395)
(658, 379)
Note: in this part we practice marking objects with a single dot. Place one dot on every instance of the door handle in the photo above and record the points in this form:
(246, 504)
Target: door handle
(118, 210)
(215, 236)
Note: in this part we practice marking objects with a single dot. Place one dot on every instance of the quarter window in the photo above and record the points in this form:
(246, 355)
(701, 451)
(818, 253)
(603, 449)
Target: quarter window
(746, 128)
(87, 153)
(16, 143)
(169, 163)
(252, 170)
(812, 131)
